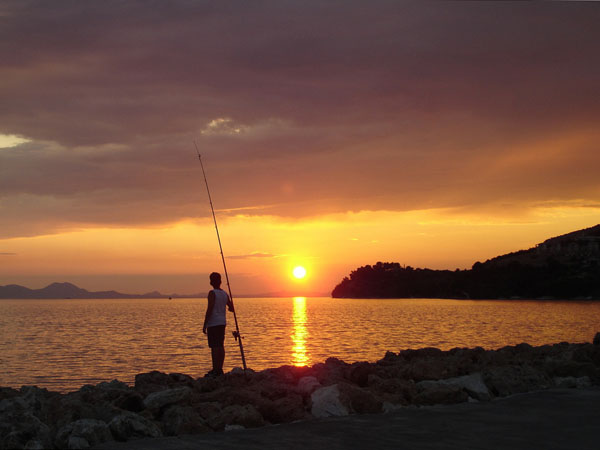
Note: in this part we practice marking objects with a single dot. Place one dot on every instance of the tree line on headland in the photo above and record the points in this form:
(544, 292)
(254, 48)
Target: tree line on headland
(564, 267)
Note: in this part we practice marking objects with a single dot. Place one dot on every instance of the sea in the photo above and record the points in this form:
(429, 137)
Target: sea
(62, 345)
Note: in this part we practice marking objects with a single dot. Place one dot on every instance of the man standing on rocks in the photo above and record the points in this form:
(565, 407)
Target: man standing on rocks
(214, 323)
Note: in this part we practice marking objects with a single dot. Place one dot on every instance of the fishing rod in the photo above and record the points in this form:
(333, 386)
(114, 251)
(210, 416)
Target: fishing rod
(236, 333)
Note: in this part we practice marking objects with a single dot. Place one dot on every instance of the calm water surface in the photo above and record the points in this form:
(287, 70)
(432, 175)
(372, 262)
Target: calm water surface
(64, 344)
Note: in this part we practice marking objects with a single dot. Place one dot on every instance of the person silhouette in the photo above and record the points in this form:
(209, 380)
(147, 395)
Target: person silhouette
(215, 321)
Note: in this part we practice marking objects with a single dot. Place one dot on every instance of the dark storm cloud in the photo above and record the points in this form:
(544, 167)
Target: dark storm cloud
(314, 106)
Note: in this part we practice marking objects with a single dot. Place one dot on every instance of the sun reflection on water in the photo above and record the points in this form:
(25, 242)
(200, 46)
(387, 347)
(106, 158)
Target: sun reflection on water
(299, 335)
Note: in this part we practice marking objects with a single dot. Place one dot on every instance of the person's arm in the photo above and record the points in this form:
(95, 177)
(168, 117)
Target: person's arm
(209, 308)
(229, 304)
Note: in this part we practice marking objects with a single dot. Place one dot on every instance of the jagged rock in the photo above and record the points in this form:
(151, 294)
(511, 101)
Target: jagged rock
(87, 403)
(114, 384)
(82, 434)
(208, 410)
(361, 401)
(327, 402)
(307, 385)
(421, 353)
(182, 420)
(157, 400)
(597, 339)
(359, 373)
(149, 382)
(439, 393)
(393, 390)
(571, 368)
(427, 369)
(572, 382)
(130, 425)
(21, 429)
(472, 384)
(245, 415)
(6, 392)
(503, 381)
(283, 410)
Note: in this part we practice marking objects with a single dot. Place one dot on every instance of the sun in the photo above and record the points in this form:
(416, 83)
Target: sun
(299, 272)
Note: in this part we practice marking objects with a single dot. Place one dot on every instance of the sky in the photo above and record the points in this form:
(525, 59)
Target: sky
(334, 134)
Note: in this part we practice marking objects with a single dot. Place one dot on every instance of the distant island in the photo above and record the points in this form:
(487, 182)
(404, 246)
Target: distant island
(66, 290)
(564, 267)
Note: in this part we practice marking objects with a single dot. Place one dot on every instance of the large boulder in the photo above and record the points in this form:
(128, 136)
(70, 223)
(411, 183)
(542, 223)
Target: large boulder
(439, 393)
(393, 390)
(472, 384)
(328, 401)
(361, 401)
(283, 410)
(130, 425)
(508, 380)
(307, 385)
(244, 415)
(83, 433)
(182, 420)
(21, 429)
(597, 339)
(149, 382)
(157, 400)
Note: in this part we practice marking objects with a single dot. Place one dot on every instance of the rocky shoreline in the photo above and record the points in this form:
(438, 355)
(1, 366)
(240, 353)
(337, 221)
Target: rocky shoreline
(162, 404)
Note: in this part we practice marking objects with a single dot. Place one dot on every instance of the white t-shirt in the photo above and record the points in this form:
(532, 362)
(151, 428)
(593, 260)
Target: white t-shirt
(219, 311)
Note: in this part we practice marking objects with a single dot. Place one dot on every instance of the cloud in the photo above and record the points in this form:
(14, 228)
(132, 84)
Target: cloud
(7, 254)
(253, 255)
(308, 106)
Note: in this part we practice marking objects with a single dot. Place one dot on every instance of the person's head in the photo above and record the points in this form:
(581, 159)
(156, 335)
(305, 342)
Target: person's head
(215, 280)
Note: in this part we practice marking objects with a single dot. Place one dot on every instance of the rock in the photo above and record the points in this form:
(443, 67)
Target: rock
(21, 429)
(571, 368)
(422, 353)
(507, 380)
(439, 393)
(393, 390)
(208, 410)
(473, 384)
(92, 431)
(130, 401)
(597, 339)
(359, 373)
(114, 384)
(572, 382)
(149, 382)
(6, 392)
(361, 401)
(427, 369)
(157, 400)
(182, 420)
(130, 425)
(307, 385)
(283, 410)
(245, 415)
(327, 402)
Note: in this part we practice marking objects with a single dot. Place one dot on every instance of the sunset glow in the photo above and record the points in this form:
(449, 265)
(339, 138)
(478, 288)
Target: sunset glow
(424, 133)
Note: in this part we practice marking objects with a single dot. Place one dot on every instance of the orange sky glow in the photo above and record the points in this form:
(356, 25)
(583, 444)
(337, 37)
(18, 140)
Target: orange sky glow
(432, 134)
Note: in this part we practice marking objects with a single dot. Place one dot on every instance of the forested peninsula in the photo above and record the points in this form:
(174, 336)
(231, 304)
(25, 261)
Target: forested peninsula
(563, 267)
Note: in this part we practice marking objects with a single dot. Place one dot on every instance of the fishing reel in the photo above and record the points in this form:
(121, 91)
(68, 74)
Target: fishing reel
(236, 335)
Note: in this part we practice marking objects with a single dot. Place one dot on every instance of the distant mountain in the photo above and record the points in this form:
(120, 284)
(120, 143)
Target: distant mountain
(65, 290)
(563, 267)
